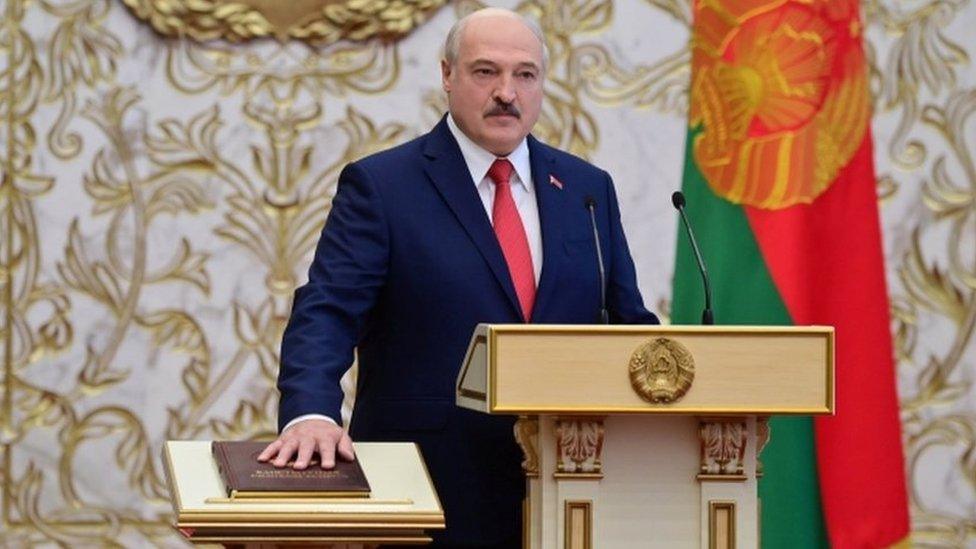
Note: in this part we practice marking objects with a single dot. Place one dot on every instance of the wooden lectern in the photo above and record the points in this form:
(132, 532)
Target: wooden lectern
(400, 510)
(645, 436)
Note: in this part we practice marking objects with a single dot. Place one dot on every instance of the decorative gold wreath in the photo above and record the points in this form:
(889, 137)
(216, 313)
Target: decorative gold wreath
(319, 22)
(655, 388)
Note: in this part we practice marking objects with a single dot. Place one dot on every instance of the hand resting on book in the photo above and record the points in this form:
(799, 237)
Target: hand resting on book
(304, 438)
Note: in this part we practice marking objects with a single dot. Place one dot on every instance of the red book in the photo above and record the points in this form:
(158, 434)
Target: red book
(245, 477)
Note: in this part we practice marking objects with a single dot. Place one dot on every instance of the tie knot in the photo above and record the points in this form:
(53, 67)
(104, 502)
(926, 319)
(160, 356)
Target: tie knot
(501, 171)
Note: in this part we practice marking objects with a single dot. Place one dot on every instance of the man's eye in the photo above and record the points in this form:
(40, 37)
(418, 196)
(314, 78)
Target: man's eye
(485, 72)
(527, 75)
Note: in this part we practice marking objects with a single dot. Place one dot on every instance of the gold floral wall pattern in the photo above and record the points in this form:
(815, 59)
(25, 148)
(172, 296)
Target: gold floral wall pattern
(161, 197)
(925, 119)
(319, 22)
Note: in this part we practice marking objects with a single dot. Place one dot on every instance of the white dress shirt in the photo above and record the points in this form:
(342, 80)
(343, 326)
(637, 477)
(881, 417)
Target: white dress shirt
(478, 161)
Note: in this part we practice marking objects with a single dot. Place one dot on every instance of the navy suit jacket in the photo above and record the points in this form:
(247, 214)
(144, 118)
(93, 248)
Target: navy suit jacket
(406, 267)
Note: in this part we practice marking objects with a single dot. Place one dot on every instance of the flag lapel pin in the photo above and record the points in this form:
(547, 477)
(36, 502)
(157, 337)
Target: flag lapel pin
(555, 182)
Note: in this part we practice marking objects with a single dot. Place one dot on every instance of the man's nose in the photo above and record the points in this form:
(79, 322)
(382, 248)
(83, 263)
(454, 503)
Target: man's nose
(505, 92)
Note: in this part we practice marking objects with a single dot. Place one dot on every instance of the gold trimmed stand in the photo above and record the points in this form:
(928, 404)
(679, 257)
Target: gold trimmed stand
(401, 509)
(645, 436)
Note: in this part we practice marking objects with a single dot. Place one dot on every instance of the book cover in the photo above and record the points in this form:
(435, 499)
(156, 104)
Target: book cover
(246, 477)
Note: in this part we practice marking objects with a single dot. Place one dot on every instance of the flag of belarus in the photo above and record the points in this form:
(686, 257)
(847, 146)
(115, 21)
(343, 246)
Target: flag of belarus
(780, 186)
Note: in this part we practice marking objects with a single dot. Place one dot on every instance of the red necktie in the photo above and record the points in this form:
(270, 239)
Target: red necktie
(511, 235)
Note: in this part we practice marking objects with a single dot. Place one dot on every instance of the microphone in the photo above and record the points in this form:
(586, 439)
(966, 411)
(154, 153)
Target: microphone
(678, 199)
(590, 204)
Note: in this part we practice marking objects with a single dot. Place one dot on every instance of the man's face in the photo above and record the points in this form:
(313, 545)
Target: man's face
(494, 88)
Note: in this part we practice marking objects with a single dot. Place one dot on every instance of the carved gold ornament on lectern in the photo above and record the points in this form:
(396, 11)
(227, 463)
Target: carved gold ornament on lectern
(661, 370)
(527, 437)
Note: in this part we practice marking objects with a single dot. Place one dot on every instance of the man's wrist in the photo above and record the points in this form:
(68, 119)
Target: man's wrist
(306, 417)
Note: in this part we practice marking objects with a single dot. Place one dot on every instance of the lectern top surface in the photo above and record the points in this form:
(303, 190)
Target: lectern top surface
(397, 475)
(601, 370)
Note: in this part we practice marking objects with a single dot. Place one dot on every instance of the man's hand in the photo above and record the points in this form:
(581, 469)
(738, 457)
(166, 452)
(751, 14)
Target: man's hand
(305, 437)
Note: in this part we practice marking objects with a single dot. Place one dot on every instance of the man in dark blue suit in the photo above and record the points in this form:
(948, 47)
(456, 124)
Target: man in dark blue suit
(476, 221)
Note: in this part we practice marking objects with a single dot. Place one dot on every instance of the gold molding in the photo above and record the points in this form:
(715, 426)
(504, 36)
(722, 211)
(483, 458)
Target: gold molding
(420, 539)
(721, 519)
(723, 449)
(607, 410)
(582, 509)
(762, 439)
(318, 22)
(816, 331)
(579, 448)
(527, 436)
(291, 518)
(721, 478)
(578, 476)
(302, 520)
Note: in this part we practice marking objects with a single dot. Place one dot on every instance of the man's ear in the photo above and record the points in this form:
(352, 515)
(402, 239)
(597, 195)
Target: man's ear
(446, 75)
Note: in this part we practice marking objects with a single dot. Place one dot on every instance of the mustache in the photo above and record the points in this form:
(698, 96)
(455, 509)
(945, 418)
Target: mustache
(502, 109)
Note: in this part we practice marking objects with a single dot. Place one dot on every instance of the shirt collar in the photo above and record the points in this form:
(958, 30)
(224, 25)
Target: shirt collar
(480, 160)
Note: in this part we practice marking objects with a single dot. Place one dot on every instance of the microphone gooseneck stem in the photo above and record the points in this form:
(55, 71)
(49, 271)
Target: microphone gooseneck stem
(708, 318)
(604, 315)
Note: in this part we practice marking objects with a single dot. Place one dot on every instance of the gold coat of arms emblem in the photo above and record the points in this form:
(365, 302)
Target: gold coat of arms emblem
(661, 370)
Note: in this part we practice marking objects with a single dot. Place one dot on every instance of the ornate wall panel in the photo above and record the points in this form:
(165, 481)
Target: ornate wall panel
(161, 197)
(924, 85)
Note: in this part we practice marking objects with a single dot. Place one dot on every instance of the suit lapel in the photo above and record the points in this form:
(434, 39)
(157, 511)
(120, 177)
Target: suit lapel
(553, 206)
(446, 169)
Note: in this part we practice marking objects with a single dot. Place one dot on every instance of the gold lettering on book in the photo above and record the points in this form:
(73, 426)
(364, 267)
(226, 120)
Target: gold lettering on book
(292, 473)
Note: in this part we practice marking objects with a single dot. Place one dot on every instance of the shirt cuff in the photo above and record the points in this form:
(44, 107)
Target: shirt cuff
(300, 419)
